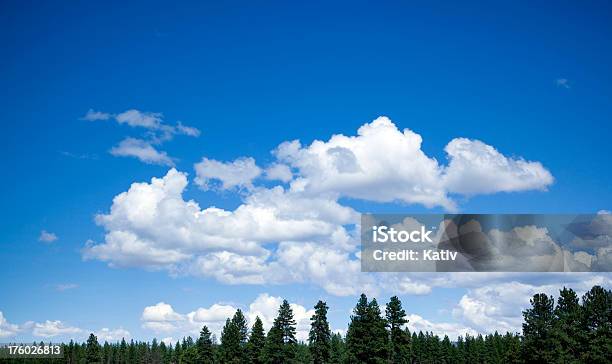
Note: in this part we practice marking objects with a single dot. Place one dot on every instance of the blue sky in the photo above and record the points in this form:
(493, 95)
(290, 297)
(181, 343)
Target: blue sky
(530, 79)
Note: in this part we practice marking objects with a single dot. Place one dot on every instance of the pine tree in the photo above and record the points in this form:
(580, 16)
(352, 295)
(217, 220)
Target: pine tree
(93, 349)
(338, 349)
(400, 339)
(205, 346)
(256, 342)
(537, 330)
(319, 338)
(367, 336)
(567, 332)
(597, 320)
(230, 351)
(281, 343)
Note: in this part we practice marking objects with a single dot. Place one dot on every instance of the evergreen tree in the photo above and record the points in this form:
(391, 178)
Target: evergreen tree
(367, 336)
(190, 355)
(319, 338)
(597, 321)
(93, 349)
(568, 333)
(281, 343)
(205, 347)
(230, 350)
(338, 349)
(537, 330)
(400, 339)
(256, 342)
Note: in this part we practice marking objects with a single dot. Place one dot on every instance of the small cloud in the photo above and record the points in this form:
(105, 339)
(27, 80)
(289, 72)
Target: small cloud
(93, 115)
(562, 82)
(142, 150)
(47, 237)
(187, 130)
(65, 287)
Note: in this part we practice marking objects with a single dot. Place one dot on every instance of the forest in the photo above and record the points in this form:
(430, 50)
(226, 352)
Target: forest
(572, 330)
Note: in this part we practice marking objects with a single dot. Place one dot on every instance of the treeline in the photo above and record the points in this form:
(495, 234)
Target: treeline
(572, 331)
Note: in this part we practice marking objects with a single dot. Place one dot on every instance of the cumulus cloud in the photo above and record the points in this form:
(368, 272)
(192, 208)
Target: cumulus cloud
(47, 237)
(142, 150)
(478, 168)
(54, 328)
(279, 172)
(162, 318)
(417, 323)
(57, 328)
(239, 173)
(384, 164)
(151, 225)
(6, 328)
(112, 335)
(300, 232)
(498, 306)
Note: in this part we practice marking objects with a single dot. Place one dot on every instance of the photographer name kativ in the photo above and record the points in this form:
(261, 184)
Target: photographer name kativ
(414, 255)
(384, 234)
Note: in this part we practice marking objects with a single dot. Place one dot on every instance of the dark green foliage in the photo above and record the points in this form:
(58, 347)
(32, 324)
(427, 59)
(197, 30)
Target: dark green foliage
(93, 349)
(537, 330)
(319, 338)
(367, 338)
(256, 343)
(597, 326)
(205, 349)
(338, 349)
(400, 339)
(573, 331)
(281, 343)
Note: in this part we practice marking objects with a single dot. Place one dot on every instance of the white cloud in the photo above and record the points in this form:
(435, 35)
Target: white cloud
(157, 132)
(477, 168)
(142, 150)
(299, 234)
(54, 328)
(187, 130)
(385, 164)
(6, 328)
(65, 286)
(149, 120)
(151, 225)
(47, 237)
(417, 323)
(239, 173)
(57, 328)
(499, 306)
(562, 82)
(112, 335)
(279, 172)
(93, 115)
(162, 318)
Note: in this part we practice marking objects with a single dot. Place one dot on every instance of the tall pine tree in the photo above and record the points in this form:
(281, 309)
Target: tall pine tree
(205, 347)
(93, 349)
(367, 336)
(256, 342)
(319, 338)
(400, 339)
(281, 343)
(537, 330)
